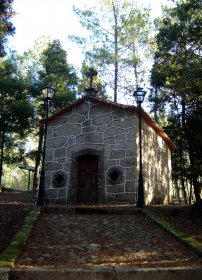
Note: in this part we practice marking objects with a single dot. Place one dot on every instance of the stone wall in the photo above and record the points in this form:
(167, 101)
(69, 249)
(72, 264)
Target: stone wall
(95, 129)
(109, 132)
(156, 167)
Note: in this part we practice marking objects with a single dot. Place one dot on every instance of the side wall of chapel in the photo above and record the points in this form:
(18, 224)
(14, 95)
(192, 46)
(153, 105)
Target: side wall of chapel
(156, 167)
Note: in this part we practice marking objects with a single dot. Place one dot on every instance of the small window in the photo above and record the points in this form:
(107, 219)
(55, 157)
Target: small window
(59, 179)
(114, 175)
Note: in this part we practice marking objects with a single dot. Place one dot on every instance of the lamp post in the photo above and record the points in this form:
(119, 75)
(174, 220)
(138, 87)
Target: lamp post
(3, 123)
(139, 95)
(48, 93)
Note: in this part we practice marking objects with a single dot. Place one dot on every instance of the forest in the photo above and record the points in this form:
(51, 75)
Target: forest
(128, 49)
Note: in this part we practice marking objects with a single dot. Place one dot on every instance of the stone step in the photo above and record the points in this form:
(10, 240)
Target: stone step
(118, 273)
(86, 209)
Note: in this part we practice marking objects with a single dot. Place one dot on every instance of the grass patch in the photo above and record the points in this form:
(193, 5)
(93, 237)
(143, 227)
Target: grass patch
(12, 252)
(189, 241)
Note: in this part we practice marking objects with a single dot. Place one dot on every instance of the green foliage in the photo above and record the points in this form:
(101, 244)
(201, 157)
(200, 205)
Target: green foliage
(16, 178)
(30, 63)
(22, 79)
(6, 26)
(16, 112)
(177, 58)
(117, 43)
(177, 70)
(56, 71)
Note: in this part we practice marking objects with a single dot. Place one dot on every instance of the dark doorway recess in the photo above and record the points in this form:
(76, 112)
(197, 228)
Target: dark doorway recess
(87, 179)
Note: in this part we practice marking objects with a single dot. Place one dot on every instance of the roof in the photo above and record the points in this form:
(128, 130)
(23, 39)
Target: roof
(145, 116)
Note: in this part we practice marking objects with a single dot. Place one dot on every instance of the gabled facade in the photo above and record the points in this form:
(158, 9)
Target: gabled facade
(92, 155)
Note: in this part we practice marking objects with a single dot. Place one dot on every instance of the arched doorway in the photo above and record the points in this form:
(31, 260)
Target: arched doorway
(87, 179)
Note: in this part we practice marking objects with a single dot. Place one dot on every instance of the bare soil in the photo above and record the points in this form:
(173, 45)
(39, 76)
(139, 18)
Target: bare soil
(182, 218)
(14, 207)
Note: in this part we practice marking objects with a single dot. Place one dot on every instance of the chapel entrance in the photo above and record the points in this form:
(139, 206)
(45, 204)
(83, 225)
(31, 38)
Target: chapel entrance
(87, 179)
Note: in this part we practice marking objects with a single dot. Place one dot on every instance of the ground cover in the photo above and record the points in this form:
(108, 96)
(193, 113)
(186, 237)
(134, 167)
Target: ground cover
(182, 218)
(14, 207)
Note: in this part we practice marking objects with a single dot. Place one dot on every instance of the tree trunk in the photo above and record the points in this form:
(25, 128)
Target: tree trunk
(181, 153)
(2, 152)
(38, 159)
(116, 65)
(183, 184)
(177, 190)
(193, 175)
(155, 105)
(115, 81)
(190, 191)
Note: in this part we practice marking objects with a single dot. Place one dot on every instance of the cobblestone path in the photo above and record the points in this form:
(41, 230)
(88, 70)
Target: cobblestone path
(97, 240)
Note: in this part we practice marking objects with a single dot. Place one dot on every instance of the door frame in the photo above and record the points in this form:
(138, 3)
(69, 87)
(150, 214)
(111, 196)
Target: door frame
(72, 192)
(87, 161)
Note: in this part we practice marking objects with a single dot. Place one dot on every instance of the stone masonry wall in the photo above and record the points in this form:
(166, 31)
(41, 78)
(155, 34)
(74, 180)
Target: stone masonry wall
(96, 128)
(156, 167)
(111, 133)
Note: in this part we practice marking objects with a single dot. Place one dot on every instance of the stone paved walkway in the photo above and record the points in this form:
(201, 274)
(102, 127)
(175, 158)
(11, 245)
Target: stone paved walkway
(103, 240)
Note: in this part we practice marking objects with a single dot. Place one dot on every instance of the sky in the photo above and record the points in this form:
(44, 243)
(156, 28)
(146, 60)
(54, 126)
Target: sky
(54, 18)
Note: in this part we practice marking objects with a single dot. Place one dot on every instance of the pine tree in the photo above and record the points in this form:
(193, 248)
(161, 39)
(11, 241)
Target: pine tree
(119, 35)
(178, 70)
(6, 26)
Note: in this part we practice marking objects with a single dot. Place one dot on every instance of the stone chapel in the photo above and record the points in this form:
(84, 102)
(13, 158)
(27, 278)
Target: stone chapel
(92, 155)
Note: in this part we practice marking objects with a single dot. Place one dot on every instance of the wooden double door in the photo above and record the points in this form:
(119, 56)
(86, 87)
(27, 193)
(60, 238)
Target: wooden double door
(87, 179)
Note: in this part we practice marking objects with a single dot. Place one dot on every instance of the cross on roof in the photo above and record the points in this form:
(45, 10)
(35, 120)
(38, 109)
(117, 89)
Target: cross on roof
(91, 73)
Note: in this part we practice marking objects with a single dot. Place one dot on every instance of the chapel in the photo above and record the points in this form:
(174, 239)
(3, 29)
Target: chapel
(92, 155)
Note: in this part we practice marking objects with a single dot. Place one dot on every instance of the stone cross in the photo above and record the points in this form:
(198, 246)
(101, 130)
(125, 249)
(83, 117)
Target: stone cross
(91, 73)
